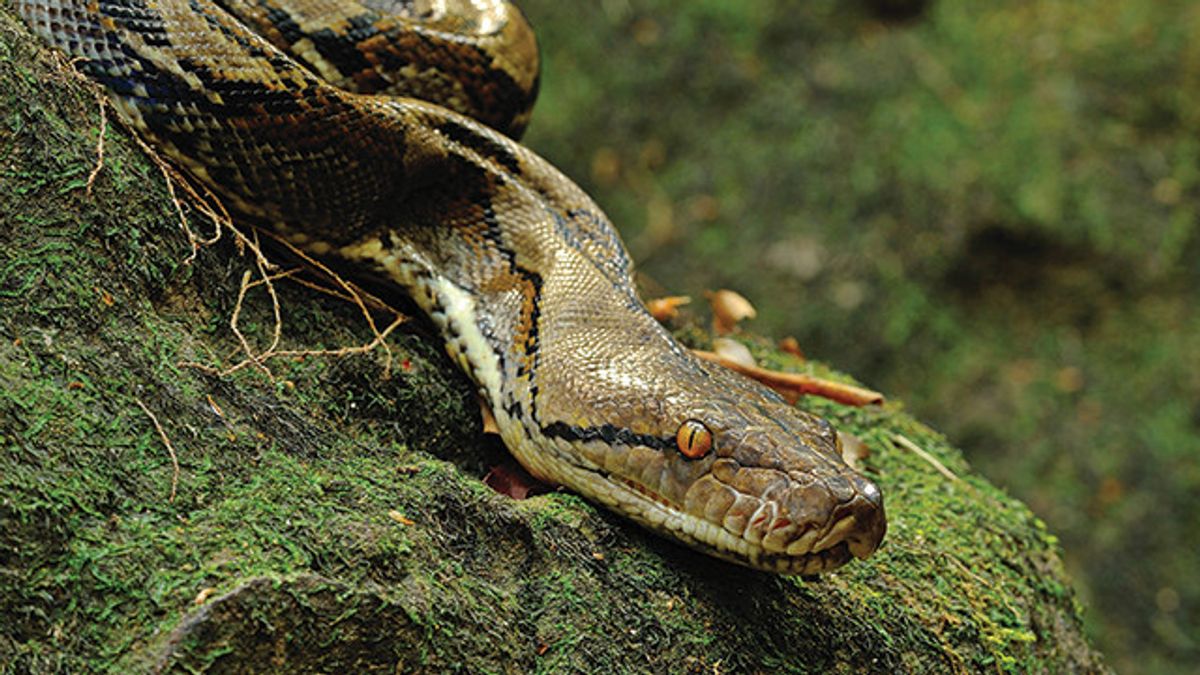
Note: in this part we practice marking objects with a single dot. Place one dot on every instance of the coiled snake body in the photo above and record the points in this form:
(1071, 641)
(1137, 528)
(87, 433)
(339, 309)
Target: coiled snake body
(522, 273)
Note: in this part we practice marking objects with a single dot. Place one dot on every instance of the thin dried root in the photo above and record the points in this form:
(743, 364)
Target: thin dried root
(259, 360)
(794, 385)
(265, 277)
(251, 357)
(355, 294)
(210, 206)
(196, 241)
(379, 341)
(91, 181)
(201, 198)
(917, 450)
(170, 449)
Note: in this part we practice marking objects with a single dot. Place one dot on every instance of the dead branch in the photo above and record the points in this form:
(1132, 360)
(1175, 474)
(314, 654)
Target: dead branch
(170, 448)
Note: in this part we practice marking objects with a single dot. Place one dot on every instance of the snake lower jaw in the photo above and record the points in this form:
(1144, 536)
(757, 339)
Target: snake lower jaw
(818, 549)
(828, 555)
(805, 564)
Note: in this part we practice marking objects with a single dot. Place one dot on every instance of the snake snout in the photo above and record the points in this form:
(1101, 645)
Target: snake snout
(870, 522)
(842, 513)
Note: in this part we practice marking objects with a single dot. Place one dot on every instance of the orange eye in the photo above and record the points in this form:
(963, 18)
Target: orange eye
(693, 439)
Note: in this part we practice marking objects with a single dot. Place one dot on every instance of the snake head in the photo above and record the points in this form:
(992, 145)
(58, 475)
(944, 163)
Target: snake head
(775, 493)
(736, 472)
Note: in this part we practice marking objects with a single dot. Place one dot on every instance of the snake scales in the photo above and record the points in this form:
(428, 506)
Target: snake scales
(521, 272)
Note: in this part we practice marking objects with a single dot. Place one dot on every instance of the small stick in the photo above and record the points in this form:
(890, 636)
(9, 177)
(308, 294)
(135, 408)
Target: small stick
(91, 181)
(903, 442)
(251, 357)
(170, 448)
(793, 385)
(261, 261)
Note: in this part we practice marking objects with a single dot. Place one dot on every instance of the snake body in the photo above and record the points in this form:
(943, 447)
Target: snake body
(521, 272)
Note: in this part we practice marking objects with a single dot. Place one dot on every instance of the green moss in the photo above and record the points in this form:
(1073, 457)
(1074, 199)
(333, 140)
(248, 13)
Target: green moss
(334, 520)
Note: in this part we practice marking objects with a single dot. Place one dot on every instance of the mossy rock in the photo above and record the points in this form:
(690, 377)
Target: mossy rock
(333, 518)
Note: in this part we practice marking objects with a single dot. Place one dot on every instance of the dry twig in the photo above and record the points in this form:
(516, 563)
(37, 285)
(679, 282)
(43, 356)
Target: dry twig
(794, 385)
(902, 441)
(170, 448)
(209, 205)
(103, 105)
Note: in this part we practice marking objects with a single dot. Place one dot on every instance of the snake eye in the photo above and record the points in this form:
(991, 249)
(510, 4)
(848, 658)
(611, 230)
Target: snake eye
(693, 439)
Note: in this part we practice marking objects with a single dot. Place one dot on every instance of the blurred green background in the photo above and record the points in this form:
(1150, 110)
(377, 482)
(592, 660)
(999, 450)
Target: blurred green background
(985, 209)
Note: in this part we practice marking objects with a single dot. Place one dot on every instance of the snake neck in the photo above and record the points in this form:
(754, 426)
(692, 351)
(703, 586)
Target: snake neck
(500, 291)
(524, 276)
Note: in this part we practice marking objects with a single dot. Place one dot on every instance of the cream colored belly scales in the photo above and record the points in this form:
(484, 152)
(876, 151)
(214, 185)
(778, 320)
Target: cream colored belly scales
(422, 184)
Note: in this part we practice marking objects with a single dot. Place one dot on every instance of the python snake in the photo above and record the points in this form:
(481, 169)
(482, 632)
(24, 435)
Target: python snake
(521, 272)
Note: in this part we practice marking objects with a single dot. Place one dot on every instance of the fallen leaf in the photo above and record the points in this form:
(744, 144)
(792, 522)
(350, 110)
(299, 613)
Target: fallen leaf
(728, 308)
(665, 309)
(791, 345)
(734, 351)
(511, 479)
(853, 450)
(400, 518)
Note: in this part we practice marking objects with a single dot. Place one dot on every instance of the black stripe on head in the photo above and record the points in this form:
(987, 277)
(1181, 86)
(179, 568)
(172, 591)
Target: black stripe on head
(608, 433)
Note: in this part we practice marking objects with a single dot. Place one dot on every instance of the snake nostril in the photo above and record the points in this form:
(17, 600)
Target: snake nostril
(870, 521)
(869, 491)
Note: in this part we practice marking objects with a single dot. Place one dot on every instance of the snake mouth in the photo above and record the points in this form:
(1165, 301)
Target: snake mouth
(817, 551)
(806, 564)
(856, 533)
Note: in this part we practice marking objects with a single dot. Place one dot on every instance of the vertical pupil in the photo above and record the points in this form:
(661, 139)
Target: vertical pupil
(693, 439)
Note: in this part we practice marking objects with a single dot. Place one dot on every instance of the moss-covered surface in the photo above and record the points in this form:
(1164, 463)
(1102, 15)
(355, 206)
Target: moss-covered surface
(335, 520)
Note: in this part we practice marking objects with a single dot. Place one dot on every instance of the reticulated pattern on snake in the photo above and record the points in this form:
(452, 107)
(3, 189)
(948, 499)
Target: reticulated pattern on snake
(380, 134)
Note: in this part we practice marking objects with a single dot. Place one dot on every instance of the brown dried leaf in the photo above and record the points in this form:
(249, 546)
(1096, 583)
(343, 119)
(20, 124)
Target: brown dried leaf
(734, 351)
(791, 345)
(665, 309)
(401, 518)
(511, 479)
(728, 308)
(203, 595)
(853, 449)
